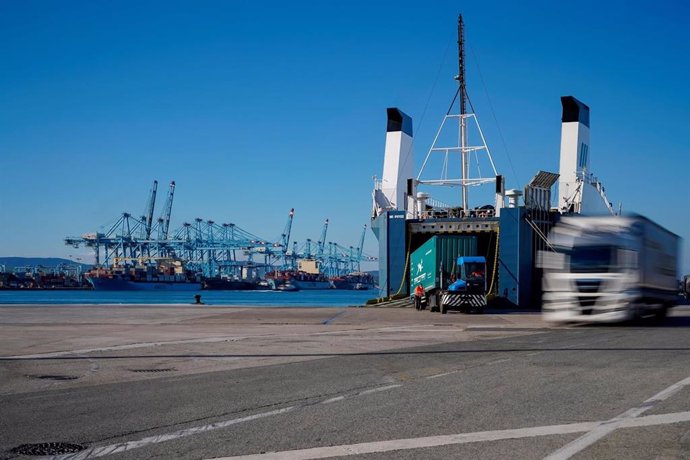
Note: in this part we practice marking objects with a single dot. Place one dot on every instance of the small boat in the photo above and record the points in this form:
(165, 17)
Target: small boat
(357, 281)
(287, 287)
(300, 279)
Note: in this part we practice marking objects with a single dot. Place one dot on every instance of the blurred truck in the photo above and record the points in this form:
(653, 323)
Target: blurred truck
(608, 269)
(451, 279)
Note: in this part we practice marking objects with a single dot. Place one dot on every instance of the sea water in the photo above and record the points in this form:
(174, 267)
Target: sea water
(305, 298)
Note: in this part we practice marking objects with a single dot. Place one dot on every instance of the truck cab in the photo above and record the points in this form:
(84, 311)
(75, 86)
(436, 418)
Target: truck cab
(468, 291)
(472, 276)
(608, 269)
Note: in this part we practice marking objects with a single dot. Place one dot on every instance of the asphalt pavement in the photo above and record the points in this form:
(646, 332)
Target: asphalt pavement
(396, 384)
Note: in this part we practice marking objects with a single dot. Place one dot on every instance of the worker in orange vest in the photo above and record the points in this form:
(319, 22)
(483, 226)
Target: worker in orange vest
(418, 296)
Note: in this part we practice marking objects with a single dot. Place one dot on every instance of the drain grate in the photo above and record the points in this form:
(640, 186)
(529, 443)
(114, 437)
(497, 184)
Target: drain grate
(167, 369)
(53, 377)
(48, 448)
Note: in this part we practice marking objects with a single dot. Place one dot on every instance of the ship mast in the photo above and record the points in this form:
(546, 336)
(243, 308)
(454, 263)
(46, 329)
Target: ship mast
(462, 122)
(463, 110)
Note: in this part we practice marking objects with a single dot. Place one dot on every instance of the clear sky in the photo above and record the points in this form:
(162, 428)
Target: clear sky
(257, 107)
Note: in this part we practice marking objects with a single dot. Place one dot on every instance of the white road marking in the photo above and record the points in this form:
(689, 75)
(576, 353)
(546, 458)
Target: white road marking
(376, 390)
(661, 419)
(435, 376)
(452, 439)
(417, 443)
(607, 427)
(125, 446)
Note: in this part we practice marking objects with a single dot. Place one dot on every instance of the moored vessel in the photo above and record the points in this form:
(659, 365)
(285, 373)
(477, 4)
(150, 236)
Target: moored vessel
(227, 284)
(163, 274)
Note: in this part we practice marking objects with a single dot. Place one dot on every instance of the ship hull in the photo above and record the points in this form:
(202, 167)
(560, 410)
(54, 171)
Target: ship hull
(115, 284)
(313, 285)
(215, 284)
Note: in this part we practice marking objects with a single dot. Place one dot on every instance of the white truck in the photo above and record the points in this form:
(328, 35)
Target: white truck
(608, 269)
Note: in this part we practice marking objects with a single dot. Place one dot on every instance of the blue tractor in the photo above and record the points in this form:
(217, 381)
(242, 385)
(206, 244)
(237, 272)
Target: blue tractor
(468, 292)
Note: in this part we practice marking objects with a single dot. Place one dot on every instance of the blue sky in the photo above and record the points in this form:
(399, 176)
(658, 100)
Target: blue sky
(257, 107)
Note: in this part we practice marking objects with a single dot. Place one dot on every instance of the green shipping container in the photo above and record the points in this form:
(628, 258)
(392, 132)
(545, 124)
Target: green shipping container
(439, 253)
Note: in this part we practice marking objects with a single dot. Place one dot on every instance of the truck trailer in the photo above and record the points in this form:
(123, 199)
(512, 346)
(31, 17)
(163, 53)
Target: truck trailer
(608, 269)
(451, 275)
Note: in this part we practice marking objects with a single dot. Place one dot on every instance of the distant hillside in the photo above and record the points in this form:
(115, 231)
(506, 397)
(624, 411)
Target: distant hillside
(12, 262)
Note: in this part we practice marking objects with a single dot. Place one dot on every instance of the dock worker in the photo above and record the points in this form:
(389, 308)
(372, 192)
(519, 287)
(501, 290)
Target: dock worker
(418, 297)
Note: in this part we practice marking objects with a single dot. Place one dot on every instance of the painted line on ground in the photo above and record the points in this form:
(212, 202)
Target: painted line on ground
(454, 439)
(130, 445)
(435, 376)
(376, 390)
(628, 419)
(607, 427)
(661, 419)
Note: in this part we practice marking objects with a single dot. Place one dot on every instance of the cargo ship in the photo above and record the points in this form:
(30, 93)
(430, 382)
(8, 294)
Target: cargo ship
(165, 275)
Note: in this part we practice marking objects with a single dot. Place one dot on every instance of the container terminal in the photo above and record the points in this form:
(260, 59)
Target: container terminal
(144, 253)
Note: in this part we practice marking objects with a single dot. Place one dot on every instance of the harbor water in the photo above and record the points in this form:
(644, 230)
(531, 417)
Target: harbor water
(306, 298)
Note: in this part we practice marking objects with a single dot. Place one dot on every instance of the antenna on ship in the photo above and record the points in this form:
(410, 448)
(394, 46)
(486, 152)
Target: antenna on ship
(460, 121)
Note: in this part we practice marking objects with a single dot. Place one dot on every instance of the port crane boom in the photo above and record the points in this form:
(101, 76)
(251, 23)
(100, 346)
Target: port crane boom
(322, 240)
(167, 211)
(360, 248)
(285, 237)
(148, 217)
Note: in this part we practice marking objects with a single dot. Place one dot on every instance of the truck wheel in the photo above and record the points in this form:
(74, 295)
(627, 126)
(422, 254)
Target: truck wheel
(661, 312)
(444, 309)
(437, 303)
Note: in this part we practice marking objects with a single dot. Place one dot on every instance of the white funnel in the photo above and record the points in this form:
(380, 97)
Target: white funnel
(397, 163)
(574, 153)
